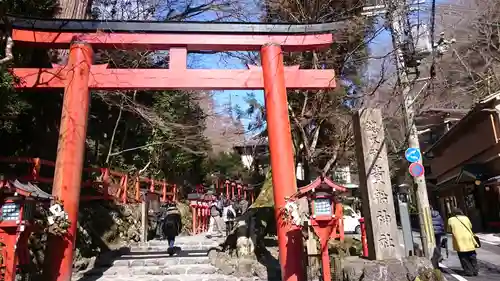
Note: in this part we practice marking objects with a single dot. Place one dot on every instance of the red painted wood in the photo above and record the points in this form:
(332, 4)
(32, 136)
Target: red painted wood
(164, 79)
(275, 78)
(193, 42)
(70, 157)
(282, 161)
(106, 173)
(9, 237)
(177, 58)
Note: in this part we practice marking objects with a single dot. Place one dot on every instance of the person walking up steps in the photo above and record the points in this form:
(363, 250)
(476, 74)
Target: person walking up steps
(228, 215)
(464, 241)
(172, 226)
(215, 218)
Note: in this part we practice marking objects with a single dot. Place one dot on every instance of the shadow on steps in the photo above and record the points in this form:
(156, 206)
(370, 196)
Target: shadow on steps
(124, 264)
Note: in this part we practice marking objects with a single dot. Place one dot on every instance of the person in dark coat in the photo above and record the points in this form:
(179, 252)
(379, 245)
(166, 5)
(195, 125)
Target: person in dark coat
(439, 233)
(172, 226)
(438, 225)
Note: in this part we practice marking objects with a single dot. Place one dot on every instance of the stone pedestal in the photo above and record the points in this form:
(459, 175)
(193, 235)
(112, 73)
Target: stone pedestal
(406, 269)
(375, 185)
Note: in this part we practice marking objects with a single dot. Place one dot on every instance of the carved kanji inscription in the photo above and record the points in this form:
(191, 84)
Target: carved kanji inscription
(377, 174)
(381, 196)
(386, 240)
(375, 185)
(383, 217)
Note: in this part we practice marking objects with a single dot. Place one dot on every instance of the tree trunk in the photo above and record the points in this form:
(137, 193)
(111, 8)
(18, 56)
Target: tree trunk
(74, 9)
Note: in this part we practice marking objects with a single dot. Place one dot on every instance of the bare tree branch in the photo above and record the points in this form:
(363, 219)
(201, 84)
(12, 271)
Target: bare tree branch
(9, 44)
(111, 142)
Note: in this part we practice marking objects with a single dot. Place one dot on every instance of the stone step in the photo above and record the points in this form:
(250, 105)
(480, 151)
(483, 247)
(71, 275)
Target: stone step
(194, 277)
(162, 248)
(187, 240)
(153, 260)
(179, 243)
(178, 269)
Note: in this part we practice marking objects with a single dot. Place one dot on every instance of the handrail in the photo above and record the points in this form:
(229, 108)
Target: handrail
(259, 28)
(106, 181)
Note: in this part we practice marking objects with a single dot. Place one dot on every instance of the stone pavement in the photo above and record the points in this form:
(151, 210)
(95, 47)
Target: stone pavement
(152, 263)
(488, 260)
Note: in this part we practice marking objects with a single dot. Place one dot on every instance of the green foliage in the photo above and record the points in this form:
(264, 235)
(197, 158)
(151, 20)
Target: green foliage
(226, 165)
(266, 195)
(321, 121)
(6, 81)
(159, 134)
(32, 8)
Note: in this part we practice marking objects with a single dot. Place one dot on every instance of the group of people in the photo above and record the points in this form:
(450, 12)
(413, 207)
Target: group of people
(465, 241)
(169, 220)
(225, 211)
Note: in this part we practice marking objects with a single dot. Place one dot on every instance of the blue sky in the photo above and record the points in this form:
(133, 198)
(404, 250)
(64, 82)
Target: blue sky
(379, 46)
(223, 98)
(222, 61)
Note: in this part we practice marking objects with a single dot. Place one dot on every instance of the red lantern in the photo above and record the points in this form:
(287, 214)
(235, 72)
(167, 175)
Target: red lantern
(326, 216)
(16, 223)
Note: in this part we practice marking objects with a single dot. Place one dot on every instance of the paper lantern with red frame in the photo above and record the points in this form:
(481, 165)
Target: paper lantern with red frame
(326, 217)
(18, 203)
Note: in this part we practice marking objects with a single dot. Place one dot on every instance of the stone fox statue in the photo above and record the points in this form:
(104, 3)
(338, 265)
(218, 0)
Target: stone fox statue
(172, 225)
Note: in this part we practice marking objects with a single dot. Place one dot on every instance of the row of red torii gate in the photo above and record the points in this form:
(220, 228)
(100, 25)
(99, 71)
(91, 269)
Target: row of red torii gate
(201, 201)
(80, 75)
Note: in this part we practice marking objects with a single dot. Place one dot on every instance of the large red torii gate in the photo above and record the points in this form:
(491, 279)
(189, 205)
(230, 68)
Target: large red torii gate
(80, 75)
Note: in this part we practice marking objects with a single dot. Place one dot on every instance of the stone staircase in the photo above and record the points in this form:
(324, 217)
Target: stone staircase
(152, 263)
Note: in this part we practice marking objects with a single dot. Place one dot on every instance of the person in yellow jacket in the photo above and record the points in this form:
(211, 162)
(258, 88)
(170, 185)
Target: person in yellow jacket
(463, 241)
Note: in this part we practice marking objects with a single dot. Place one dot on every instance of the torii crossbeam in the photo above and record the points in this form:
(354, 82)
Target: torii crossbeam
(80, 75)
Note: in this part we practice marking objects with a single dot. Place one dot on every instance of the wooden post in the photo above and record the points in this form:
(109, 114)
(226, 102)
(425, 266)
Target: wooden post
(312, 254)
(105, 182)
(144, 219)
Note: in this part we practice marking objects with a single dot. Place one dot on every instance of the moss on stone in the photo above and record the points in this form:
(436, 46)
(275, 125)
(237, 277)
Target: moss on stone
(266, 197)
(430, 275)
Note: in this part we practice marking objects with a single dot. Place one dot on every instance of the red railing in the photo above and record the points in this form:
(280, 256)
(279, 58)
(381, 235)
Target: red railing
(113, 185)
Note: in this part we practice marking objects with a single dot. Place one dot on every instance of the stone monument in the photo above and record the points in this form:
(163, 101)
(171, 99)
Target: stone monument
(375, 183)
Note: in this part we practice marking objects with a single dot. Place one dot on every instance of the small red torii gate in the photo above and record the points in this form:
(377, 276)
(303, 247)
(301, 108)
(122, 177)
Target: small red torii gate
(80, 75)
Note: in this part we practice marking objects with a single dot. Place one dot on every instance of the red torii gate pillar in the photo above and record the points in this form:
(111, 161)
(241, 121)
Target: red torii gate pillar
(282, 161)
(70, 157)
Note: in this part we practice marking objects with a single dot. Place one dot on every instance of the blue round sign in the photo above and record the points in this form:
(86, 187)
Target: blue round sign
(416, 169)
(413, 155)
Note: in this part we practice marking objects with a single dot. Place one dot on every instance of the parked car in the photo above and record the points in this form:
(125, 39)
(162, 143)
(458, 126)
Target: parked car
(351, 220)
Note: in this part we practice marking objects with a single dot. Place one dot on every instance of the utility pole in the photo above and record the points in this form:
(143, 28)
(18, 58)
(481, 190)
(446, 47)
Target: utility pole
(397, 17)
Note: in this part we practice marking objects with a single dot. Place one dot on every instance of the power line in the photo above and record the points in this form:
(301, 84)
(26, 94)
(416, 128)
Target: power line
(402, 37)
